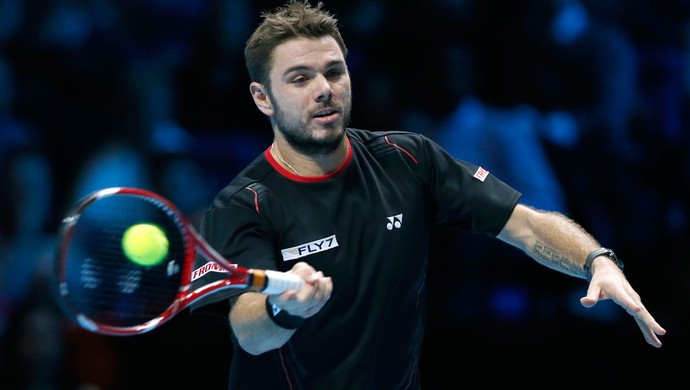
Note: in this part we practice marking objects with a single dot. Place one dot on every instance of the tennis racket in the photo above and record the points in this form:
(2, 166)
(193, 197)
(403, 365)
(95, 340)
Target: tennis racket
(105, 292)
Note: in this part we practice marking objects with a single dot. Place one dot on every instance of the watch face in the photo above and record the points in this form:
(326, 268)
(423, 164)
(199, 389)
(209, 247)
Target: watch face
(611, 255)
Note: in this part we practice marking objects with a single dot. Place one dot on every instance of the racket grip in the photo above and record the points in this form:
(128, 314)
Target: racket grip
(278, 282)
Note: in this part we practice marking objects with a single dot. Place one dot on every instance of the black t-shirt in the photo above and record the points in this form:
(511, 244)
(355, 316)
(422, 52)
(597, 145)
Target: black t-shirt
(366, 225)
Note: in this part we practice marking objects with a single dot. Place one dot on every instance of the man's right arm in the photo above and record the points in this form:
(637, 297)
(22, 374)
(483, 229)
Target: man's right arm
(257, 332)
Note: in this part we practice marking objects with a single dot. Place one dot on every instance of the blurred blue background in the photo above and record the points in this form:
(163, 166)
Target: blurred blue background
(580, 104)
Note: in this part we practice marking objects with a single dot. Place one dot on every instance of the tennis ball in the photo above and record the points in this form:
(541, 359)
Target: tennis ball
(145, 244)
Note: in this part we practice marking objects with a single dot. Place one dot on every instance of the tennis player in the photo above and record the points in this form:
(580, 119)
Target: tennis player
(350, 210)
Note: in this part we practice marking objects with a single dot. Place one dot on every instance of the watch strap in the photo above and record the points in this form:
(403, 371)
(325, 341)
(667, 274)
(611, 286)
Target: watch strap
(600, 252)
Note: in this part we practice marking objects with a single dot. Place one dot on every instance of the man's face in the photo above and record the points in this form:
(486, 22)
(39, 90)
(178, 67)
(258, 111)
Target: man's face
(310, 93)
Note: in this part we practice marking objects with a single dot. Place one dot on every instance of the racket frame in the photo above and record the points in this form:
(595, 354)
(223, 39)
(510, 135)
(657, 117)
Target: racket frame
(240, 278)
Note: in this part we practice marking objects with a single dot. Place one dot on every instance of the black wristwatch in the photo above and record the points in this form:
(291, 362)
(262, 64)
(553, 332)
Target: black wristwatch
(600, 252)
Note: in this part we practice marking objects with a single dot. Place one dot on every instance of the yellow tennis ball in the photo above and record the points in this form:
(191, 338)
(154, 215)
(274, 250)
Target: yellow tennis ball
(145, 244)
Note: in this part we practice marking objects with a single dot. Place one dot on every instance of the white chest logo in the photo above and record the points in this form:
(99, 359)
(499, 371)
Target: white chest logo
(394, 221)
(309, 248)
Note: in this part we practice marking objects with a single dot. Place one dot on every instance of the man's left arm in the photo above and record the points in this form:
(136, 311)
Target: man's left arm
(556, 241)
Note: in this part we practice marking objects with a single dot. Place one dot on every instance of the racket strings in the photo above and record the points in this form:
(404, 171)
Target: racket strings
(101, 282)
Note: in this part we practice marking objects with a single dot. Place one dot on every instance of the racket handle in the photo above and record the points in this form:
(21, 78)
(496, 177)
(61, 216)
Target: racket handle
(278, 282)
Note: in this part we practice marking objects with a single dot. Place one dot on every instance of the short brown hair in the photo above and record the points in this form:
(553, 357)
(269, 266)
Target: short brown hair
(297, 18)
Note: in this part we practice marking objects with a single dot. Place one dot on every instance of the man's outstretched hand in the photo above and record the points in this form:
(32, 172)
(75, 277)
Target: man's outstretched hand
(609, 282)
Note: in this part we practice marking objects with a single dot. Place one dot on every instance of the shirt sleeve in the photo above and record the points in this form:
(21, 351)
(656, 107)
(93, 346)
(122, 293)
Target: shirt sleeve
(466, 195)
(234, 227)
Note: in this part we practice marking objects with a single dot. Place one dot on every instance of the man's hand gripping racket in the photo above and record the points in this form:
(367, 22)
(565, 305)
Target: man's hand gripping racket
(125, 263)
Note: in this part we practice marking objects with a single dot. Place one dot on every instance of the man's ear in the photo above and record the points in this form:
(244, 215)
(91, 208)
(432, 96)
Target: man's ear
(261, 98)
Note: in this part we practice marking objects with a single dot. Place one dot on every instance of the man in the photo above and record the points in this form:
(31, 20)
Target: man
(350, 211)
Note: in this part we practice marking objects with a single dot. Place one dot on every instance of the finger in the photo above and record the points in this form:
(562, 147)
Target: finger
(592, 297)
(303, 269)
(318, 290)
(314, 277)
(587, 302)
(324, 289)
(285, 296)
(312, 291)
(649, 334)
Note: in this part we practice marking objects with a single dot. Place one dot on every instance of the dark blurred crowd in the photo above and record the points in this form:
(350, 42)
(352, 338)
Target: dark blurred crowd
(580, 104)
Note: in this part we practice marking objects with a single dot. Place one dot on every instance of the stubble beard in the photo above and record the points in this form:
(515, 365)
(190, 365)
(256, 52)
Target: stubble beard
(297, 134)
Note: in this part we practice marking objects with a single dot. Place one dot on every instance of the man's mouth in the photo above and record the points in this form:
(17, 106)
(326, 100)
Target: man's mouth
(325, 113)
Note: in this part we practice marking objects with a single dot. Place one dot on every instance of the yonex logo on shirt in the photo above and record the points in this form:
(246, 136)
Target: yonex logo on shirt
(394, 221)
(309, 248)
